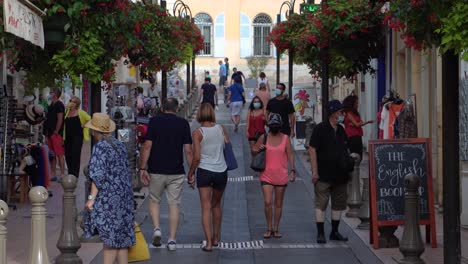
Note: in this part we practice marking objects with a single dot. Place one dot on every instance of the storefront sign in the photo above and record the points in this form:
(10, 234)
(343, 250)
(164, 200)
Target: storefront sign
(23, 22)
(389, 162)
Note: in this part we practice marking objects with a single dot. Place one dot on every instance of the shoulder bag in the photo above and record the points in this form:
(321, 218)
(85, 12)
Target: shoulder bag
(259, 160)
(229, 156)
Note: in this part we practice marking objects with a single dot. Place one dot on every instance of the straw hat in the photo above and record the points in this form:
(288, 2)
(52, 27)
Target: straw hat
(101, 122)
(34, 114)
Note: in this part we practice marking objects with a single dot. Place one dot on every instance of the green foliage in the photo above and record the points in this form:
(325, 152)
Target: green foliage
(80, 56)
(256, 65)
(454, 30)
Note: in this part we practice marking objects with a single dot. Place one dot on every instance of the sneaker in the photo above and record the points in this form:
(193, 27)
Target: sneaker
(337, 237)
(321, 239)
(54, 178)
(171, 245)
(157, 237)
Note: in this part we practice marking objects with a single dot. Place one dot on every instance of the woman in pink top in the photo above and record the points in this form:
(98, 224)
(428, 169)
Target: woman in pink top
(353, 124)
(274, 178)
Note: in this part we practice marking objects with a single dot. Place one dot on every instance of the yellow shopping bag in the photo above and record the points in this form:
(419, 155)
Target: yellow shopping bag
(140, 250)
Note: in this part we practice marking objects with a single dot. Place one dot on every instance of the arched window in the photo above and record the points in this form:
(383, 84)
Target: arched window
(261, 27)
(205, 24)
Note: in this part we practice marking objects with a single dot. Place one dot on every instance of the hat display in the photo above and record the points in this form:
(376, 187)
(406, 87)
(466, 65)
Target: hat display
(275, 120)
(34, 114)
(333, 106)
(101, 122)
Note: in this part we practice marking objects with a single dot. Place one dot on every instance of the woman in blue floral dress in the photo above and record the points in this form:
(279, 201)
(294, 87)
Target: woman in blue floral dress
(111, 198)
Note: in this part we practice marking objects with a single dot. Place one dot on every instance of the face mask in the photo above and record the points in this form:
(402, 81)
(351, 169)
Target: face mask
(279, 92)
(275, 129)
(257, 105)
(340, 119)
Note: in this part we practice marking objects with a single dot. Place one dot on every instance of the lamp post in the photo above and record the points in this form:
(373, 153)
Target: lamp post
(289, 11)
(163, 72)
(182, 10)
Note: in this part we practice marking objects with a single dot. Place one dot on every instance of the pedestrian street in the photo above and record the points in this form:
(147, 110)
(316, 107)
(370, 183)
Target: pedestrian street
(243, 222)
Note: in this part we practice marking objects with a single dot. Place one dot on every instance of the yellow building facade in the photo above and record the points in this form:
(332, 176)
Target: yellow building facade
(237, 30)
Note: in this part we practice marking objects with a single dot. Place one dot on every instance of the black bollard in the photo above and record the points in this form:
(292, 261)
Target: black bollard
(69, 243)
(411, 245)
(363, 214)
(354, 194)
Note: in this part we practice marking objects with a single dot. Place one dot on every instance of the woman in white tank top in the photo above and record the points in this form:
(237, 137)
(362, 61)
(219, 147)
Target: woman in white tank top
(208, 161)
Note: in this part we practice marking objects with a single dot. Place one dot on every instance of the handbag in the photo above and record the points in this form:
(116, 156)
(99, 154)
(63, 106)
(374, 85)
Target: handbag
(139, 251)
(259, 160)
(229, 156)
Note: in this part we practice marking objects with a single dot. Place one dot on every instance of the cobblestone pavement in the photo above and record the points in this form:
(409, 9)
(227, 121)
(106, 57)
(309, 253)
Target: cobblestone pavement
(244, 223)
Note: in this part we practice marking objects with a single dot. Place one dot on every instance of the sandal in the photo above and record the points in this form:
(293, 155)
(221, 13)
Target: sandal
(206, 249)
(277, 234)
(268, 234)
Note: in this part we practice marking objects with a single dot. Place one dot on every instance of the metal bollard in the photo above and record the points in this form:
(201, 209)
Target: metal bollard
(411, 245)
(69, 243)
(38, 251)
(354, 198)
(3, 231)
(363, 214)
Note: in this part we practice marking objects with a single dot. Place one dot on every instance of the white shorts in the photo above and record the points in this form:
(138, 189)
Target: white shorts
(236, 108)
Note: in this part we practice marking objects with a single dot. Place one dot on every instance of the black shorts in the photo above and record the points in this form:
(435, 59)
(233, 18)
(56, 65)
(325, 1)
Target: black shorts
(267, 183)
(216, 180)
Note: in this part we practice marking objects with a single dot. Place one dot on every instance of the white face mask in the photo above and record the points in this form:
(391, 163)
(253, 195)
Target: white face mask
(257, 105)
(278, 92)
(340, 119)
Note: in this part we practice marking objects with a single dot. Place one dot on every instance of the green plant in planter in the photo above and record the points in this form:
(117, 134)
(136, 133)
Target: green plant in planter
(256, 65)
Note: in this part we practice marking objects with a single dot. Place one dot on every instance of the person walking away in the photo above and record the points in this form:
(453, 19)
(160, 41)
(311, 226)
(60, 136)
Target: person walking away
(222, 78)
(284, 107)
(353, 124)
(274, 179)
(167, 139)
(327, 147)
(226, 64)
(53, 130)
(211, 170)
(263, 79)
(208, 93)
(74, 134)
(237, 76)
(236, 101)
(263, 94)
(110, 203)
(256, 121)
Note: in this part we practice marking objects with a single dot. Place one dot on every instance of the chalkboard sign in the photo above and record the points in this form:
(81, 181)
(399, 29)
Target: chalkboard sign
(389, 162)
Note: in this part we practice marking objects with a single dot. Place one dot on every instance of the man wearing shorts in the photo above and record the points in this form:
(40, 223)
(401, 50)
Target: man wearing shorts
(327, 147)
(167, 139)
(236, 101)
(53, 130)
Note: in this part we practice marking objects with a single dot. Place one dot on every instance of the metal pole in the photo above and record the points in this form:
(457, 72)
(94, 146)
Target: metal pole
(290, 62)
(3, 231)
(38, 247)
(193, 71)
(163, 85)
(325, 78)
(69, 243)
(411, 245)
(188, 77)
(278, 20)
(450, 157)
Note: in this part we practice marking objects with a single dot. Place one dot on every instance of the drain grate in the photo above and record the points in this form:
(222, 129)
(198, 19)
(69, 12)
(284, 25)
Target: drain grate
(259, 244)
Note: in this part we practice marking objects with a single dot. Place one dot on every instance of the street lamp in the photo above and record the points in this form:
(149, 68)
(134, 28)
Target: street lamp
(289, 11)
(182, 10)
